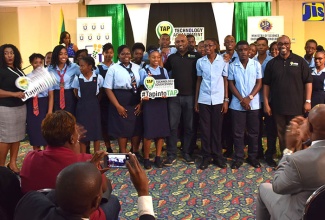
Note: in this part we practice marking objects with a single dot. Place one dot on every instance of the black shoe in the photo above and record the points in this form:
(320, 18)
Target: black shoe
(139, 157)
(236, 164)
(253, 162)
(270, 162)
(169, 162)
(205, 163)
(158, 162)
(188, 159)
(109, 150)
(147, 164)
(228, 153)
(260, 155)
(220, 163)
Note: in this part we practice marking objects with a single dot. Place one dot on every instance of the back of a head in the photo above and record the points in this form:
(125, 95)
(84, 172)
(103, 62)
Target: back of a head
(316, 119)
(78, 188)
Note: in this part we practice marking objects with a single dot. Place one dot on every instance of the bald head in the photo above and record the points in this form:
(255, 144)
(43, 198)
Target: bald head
(181, 43)
(316, 119)
(78, 189)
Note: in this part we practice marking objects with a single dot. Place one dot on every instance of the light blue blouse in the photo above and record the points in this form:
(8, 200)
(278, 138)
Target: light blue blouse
(143, 73)
(76, 84)
(71, 71)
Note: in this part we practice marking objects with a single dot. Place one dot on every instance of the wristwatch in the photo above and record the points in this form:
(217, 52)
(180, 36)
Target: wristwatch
(226, 99)
(287, 152)
(251, 97)
(308, 101)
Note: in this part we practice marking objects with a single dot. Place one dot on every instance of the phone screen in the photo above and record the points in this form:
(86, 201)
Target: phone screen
(116, 160)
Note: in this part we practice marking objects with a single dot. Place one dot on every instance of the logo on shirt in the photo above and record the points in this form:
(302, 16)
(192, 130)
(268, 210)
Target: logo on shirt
(293, 64)
(313, 11)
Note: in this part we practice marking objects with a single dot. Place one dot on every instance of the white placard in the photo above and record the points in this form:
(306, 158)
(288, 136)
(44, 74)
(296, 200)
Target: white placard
(157, 88)
(270, 27)
(93, 33)
(197, 32)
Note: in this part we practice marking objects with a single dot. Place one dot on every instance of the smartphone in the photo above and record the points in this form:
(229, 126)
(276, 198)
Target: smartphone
(117, 160)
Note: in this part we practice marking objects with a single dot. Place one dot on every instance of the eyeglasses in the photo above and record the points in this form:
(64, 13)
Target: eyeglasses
(208, 45)
(285, 44)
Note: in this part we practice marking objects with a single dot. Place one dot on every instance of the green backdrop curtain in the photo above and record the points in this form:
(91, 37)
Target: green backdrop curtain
(245, 9)
(118, 24)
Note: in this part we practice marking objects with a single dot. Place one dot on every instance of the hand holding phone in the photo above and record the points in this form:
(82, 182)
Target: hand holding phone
(117, 160)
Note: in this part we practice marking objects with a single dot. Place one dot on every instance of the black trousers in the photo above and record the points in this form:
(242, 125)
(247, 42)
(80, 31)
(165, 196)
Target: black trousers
(281, 123)
(210, 127)
(245, 121)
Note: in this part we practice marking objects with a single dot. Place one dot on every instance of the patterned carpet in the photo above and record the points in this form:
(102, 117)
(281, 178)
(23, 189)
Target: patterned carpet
(185, 192)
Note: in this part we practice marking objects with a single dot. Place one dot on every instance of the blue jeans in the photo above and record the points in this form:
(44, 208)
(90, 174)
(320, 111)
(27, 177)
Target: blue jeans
(177, 106)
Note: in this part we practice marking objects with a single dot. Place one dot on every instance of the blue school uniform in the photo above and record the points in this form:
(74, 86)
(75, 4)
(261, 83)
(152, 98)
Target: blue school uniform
(88, 110)
(118, 79)
(104, 102)
(34, 122)
(318, 94)
(155, 111)
(245, 80)
(69, 71)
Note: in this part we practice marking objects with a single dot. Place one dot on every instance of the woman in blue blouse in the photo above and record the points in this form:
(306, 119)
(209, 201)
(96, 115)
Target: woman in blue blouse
(65, 39)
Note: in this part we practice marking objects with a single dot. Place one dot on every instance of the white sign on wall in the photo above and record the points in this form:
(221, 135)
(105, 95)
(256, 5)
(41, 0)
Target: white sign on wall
(270, 27)
(93, 33)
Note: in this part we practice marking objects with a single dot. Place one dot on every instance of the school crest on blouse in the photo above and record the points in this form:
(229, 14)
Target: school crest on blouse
(149, 82)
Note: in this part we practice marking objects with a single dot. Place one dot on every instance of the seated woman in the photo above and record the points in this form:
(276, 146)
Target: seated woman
(40, 168)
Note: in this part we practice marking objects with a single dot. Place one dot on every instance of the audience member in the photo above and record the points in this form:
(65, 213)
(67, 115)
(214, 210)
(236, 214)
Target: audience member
(299, 173)
(245, 81)
(12, 108)
(40, 168)
(287, 101)
(183, 67)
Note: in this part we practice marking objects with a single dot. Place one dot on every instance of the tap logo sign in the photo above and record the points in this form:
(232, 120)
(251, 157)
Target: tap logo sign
(313, 11)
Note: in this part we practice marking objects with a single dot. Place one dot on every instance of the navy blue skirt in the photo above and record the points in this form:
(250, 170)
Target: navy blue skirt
(70, 101)
(125, 127)
(155, 118)
(34, 122)
(104, 113)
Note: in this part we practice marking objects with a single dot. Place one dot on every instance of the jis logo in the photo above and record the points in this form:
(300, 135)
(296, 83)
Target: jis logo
(313, 11)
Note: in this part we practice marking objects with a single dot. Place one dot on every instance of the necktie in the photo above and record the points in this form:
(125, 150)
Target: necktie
(133, 81)
(62, 100)
(35, 106)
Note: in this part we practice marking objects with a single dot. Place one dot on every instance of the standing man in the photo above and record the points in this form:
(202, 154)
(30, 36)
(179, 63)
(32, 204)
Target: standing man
(300, 171)
(310, 48)
(263, 58)
(211, 102)
(245, 81)
(288, 83)
(227, 138)
(191, 42)
(183, 67)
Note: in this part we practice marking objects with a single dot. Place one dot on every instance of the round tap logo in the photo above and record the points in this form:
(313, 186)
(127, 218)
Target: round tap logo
(164, 27)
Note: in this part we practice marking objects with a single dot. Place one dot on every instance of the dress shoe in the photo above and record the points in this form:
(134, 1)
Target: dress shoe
(228, 153)
(205, 163)
(188, 159)
(16, 173)
(147, 164)
(220, 163)
(236, 164)
(169, 162)
(158, 162)
(253, 162)
(270, 162)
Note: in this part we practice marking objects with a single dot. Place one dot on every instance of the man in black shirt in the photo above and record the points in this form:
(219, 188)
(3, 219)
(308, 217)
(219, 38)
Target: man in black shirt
(183, 67)
(288, 80)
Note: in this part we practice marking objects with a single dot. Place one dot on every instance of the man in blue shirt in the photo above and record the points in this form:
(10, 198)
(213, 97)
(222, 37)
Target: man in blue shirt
(245, 81)
(211, 101)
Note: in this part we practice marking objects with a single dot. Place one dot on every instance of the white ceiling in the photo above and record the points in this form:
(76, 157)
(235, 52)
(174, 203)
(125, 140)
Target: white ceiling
(33, 3)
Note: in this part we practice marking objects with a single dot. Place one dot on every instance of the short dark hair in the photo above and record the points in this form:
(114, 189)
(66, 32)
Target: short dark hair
(107, 47)
(319, 48)
(55, 56)
(263, 38)
(35, 56)
(311, 41)
(190, 35)
(78, 53)
(122, 47)
(272, 44)
(62, 36)
(17, 57)
(89, 61)
(58, 127)
(151, 49)
(138, 46)
(242, 42)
